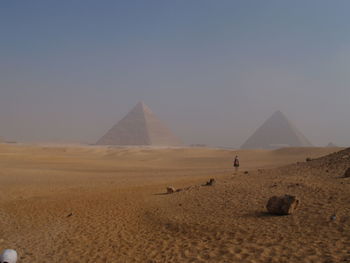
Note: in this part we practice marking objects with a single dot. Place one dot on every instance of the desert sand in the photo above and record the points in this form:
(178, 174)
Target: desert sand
(101, 204)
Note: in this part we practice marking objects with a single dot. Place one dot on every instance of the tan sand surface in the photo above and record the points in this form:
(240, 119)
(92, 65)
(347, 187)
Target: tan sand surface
(102, 204)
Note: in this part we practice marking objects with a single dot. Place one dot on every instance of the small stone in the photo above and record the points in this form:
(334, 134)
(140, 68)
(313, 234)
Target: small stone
(210, 182)
(347, 173)
(170, 190)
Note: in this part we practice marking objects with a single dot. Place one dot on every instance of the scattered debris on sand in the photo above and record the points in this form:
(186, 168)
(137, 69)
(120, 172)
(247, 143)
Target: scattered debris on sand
(135, 220)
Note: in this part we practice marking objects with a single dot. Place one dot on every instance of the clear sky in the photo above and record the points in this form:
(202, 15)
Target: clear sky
(212, 70)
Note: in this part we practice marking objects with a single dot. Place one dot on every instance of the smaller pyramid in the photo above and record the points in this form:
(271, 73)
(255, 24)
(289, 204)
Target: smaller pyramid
(276, 132)
(139, 127)
(330, 145)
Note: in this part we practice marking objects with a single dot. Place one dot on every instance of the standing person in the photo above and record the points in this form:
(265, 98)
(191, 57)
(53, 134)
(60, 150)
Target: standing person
(236, 163)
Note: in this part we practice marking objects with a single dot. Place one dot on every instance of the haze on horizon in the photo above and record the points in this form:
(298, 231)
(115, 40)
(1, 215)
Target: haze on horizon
(213, 71)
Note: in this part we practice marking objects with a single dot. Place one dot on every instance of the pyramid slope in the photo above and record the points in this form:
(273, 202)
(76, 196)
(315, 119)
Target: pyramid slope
(276, 132)
(139, 127)
(158, 133)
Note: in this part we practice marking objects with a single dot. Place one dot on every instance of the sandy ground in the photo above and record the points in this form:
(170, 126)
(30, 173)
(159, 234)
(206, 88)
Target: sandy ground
(100, 204)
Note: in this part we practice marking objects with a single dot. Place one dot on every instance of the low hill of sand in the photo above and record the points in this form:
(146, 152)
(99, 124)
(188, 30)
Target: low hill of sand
(101, 204)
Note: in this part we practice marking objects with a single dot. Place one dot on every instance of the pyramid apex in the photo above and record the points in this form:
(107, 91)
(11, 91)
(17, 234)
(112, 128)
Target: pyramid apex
(278, 113)
(142, 105)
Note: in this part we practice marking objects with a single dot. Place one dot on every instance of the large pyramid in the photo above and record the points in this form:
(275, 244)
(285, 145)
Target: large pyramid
(139, 127)
(276, 132)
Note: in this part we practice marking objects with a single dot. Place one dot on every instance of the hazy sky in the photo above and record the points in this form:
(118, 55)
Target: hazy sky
(213, 70)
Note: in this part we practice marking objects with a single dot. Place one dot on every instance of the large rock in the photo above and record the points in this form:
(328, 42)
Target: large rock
(282, 205)
(347, 173)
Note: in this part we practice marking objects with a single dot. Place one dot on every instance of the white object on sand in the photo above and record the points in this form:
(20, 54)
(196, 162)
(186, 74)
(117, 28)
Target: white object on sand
(8, 256)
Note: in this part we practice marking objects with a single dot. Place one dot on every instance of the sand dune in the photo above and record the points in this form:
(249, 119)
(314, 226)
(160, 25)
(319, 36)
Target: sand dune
(102, 204)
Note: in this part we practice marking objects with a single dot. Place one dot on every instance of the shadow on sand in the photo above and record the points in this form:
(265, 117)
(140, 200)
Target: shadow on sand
(262, 214)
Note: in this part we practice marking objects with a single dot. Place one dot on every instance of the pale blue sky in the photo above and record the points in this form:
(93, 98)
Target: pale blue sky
(213, 70)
